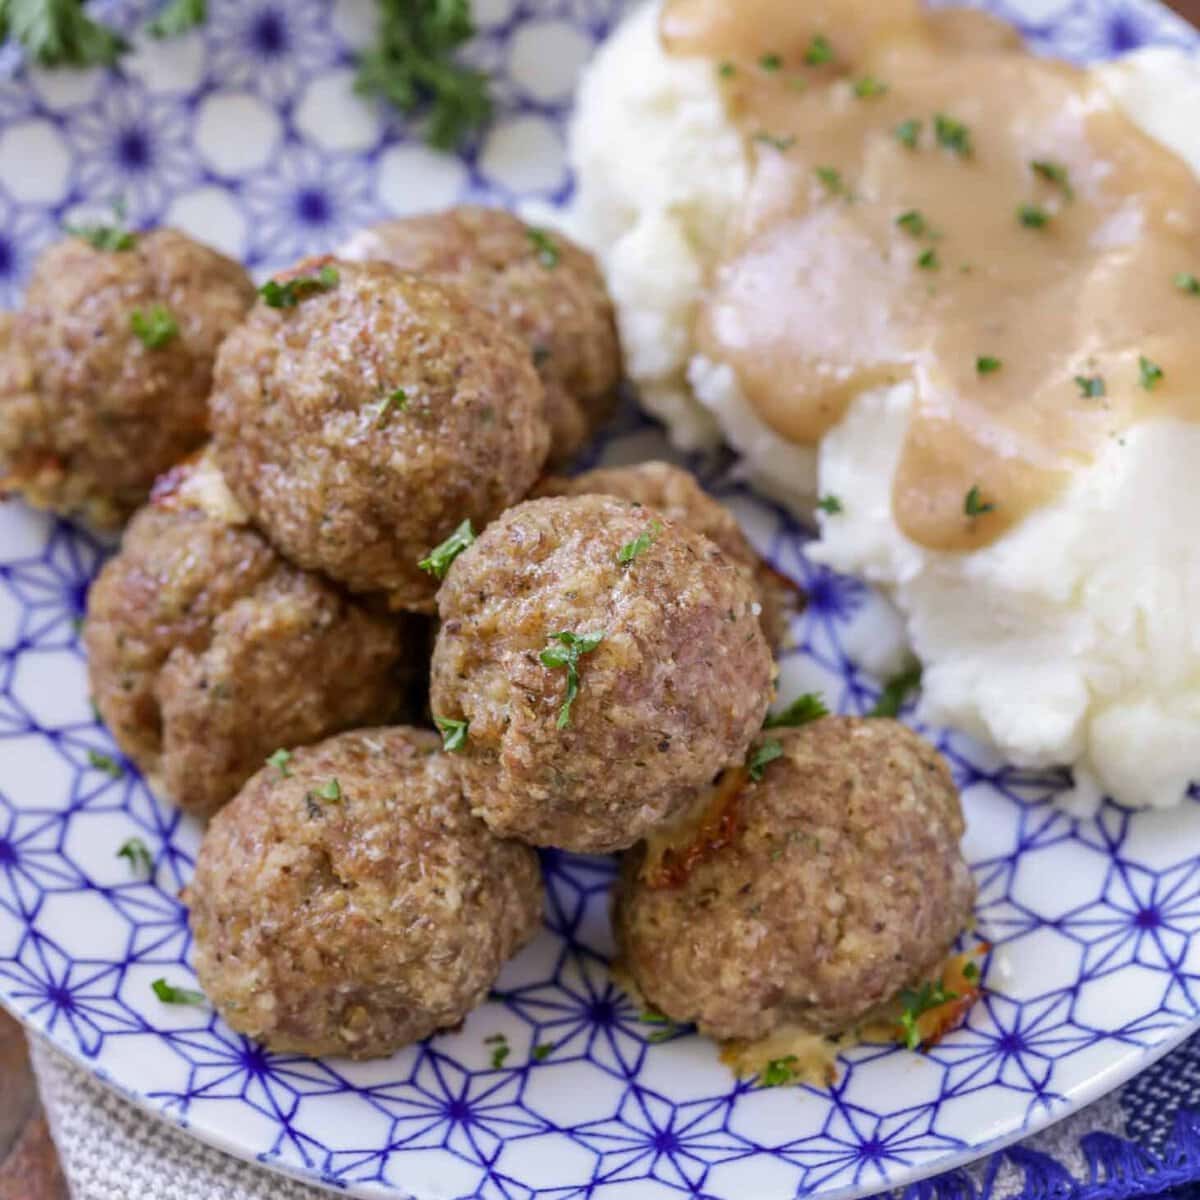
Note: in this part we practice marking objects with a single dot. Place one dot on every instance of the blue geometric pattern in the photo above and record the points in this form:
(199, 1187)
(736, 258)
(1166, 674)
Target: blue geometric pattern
(245, 135)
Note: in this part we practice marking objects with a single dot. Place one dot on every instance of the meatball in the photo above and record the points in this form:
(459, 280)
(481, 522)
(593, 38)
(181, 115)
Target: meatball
(675, 493)
(362, 424)
(206, 651)
(842, 883)
(608, 662)
(548, 290)
(347, 902)
(105, 374)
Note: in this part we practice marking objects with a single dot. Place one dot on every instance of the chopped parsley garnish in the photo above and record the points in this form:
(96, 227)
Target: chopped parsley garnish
(768, 752)
(830, 504)
(727, 70)
(819, 51)
(546, 248)
(178, 17)
(454, 733)
(500, 1049)
(916, 1004)
(987, 364)
(542, 1052)
(105, 763)
(868, 87)
(155, 328)
(330, 790)
(802, 710)
(831, 177)
(913, 222)
(289, 294)
(135, 853)
(1185, 281)
(168, 993)
(778, 1071)
(104, 237)
(896, 692)
(770, 62)
(908, 132)
(570, 649)
(1032, 216)
(953, 135)
(929, 261)
(438, 561)
(650, 1017)
(397, 400)
(1091, 386)
(59, 33)
(974, 505)
(1054, 173)
(280, 760)
(970, 971)
(782, 144)
(1150, 373)
(639, 545)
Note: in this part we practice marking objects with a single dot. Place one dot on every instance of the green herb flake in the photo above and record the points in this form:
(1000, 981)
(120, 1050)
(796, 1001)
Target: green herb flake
(1032, 216)
(542, 1052)
(439, 560)
(802, 710)
(782, 144)
(289, 294)
(726, 70)
(1091, 386)
(868, 88)
(155, 328)
(929, 261)
(830, 505)
(454, 733)
(819, 51)
(105, 763)
(1054, 173)
(500, 1049)
(778, 1072)
(650, 1017)
(1185, 281)
(895, 693)
(770, 62)
(397, 401)
(168, 993)
(567, 653)
(1150, 373)
(330, 790)
(281, 761)
(179, 16)
(135, 853)
(974, 504)
(986, 364)
(916, 1004)
(970, 971)
(953, 135)
(639, 545)
(545, 247)
(907, 133)
(912, 222)
(113, 238)
(831, 178)
(766, 753)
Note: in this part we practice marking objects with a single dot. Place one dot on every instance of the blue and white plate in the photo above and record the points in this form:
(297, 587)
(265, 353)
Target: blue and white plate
(248, 135)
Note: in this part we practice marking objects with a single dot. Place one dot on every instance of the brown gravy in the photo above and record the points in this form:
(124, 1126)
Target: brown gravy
(931, 203)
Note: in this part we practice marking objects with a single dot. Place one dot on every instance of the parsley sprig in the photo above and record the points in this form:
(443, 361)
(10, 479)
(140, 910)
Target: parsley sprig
(766, 752)
(916, 1004)
(802, 710)
(454, 733)
(154, 327)
(640, 544)
(896, 692)
(168, 993)
(134, 851)
(440, 558)
(565, 649)
(289, 294)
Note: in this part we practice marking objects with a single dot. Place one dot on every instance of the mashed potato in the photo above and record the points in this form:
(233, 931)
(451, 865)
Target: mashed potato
(1070, 640)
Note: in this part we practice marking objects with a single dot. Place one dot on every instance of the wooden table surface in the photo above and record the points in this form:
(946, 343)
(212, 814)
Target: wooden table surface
(28, 1166)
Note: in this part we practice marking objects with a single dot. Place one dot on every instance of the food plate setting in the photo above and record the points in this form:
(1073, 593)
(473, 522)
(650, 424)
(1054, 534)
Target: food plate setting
(247, 135)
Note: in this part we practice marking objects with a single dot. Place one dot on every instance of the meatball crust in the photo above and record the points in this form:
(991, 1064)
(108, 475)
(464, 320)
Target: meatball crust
(843, 883)
(547, 289)
(675, 493)
(354, 905)
(675, 690)
(90, 414)
(206, 651)
(361, 426)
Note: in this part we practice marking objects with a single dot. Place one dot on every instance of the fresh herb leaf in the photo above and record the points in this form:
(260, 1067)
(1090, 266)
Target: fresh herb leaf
(135, 853)
(650, 1017)
(1151, 373)
(546, 247)
(868, 87)
(1033, 217)
(913, 222)
(830, 504)
(953, 135)
(986, 364)
(154, 329)
(831, 177)
(1054, 173)
(105, 763)
(819, 51)
(802, 710)
(916, 1004)
(59, 33)
(1091, 386)
(908, 132)
(640, 544)
(1185, 281)
(567, 653)
(542, 1052)
(782, 144)
(970, 971)
(330, 790)
(280, 760)
(974, 505)
(413, 65)
(179, 16)
(896, 692)
(770, 62)
(397, 400)
(500, 1049)
(778, 1071)
(929, 261)
(103, 237)
(726, 70)
(170, 994)
(766, 753)
(289, 294)
(454, 733)
(439, 559)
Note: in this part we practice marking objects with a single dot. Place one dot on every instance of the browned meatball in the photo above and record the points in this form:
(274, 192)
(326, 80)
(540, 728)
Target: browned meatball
(675, 493)
(673, 690)
(548, 290)
(348, 903)
(91, 412)
(206, 651)
(363, 424)
(843, 883)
